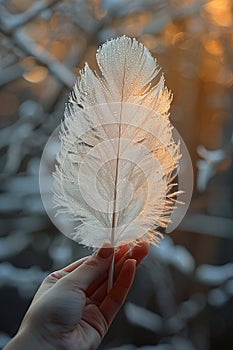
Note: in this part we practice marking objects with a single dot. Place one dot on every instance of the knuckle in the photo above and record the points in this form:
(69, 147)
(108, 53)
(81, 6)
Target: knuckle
(92, 261)
(50, 278)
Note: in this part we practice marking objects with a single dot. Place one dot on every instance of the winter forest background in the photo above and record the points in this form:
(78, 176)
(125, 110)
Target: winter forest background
(182, 298)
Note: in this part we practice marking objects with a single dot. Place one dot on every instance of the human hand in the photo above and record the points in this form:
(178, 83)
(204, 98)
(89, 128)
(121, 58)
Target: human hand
(72, 309)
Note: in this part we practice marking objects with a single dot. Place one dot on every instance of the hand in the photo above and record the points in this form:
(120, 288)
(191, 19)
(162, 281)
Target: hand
(72, 309)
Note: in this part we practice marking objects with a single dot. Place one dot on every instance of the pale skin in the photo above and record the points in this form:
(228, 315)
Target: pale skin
(72, 309)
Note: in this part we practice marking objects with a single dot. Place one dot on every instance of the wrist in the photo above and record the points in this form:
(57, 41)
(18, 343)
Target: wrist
(26, 339)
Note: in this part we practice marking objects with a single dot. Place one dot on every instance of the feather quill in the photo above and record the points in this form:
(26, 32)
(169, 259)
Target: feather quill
(116, 169)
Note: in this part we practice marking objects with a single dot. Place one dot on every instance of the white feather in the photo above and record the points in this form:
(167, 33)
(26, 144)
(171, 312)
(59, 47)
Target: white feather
(118, 160)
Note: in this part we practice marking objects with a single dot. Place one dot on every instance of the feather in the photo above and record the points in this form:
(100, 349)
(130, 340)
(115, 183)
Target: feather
(116, 169)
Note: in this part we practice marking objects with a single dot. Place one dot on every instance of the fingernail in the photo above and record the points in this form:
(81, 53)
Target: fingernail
(134, 261)
(106, 251)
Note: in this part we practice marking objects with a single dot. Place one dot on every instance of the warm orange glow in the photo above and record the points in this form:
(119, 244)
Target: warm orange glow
(54, 21)
(131, 30)
(219, 12)
(134, 25)
(21, 6)
(58, 50)
(209, 68)
(225, 77)
(179, 37)
(169, 33)
(45, 42)
(36, 75)
(139, 18)
(213, 47)
(39, 30)
(95, 7)
(28, 62)
(149, 41)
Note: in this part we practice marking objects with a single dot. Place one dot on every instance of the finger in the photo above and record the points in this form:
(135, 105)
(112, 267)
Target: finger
(63, 272)
(75, 264)
(122, 250)
(92, 269)
(55, 276)
(138, 253)
(116, 297)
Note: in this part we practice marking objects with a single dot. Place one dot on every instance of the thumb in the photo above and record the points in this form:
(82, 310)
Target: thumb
(93, 268)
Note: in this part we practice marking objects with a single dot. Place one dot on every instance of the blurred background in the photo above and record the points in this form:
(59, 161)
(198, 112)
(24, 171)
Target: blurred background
(182, 298)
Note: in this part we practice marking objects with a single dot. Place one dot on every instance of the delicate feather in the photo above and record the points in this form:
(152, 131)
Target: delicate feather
(118, 160)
